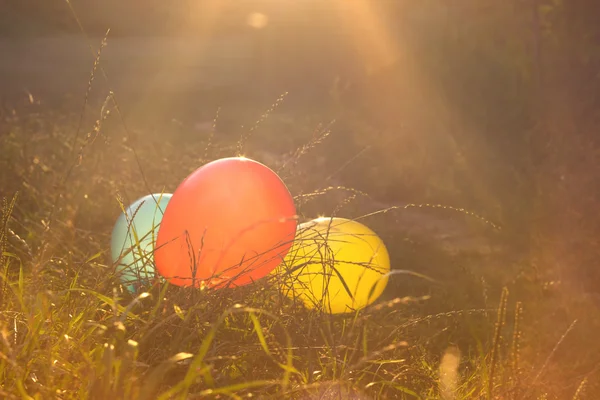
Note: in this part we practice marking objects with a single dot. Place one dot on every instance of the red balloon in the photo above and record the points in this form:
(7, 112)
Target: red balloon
(229, 223)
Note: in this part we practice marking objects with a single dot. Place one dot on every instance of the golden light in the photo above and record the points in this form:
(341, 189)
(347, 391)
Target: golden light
(370, 33)
(257, 20)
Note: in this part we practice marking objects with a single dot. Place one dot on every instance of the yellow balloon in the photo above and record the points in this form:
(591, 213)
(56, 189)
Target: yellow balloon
(336, 265)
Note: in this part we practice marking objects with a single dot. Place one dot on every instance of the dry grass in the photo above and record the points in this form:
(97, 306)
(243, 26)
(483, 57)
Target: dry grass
(69, 331)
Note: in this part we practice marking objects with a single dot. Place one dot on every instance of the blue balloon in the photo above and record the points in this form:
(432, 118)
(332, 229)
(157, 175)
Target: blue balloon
(134, 237)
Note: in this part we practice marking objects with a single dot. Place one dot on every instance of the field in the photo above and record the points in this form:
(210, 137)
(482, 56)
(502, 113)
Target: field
(493, 235)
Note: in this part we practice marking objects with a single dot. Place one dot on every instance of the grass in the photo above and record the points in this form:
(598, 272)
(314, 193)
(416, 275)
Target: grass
(491, 326)
(70, 331)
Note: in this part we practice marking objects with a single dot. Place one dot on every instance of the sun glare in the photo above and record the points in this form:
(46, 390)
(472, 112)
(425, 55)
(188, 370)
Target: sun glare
(257, 20)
